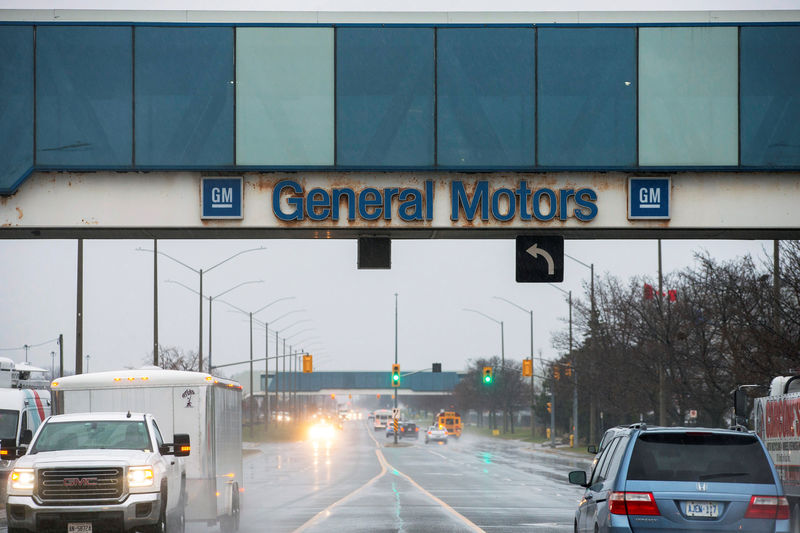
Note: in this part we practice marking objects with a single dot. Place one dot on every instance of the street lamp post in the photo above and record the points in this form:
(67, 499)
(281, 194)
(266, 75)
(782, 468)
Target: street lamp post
(502, 363)
(574, 370)
(211, 301)
(200, 272)
(533, 395)
(592, 324)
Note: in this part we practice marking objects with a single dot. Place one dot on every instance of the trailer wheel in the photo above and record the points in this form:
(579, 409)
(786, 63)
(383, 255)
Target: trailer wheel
(230, 522)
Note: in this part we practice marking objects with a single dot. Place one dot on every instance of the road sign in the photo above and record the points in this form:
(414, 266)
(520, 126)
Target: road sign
(221, 198)
(540, 259)
(648, 198)
(395, 412)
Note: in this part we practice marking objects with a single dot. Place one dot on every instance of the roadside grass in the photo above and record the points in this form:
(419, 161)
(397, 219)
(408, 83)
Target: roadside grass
(276, 433)
(523, 434)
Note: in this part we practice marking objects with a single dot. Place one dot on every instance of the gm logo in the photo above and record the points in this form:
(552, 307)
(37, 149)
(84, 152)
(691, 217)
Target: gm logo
(648, 198)
(221, 198)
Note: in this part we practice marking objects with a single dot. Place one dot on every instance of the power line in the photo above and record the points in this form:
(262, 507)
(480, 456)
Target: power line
(28, 346)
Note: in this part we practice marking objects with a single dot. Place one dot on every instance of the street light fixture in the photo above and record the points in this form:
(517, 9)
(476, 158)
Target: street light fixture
(200, 272)
(502, 359)
(533, 395)
(210, 301)
(298, 333)
(574, 370)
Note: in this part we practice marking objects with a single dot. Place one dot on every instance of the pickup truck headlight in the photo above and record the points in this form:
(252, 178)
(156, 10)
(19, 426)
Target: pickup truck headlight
(140, 476)
(22, 479)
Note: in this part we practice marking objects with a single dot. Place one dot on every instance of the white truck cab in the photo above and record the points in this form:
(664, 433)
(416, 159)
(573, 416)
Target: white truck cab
(98, 471)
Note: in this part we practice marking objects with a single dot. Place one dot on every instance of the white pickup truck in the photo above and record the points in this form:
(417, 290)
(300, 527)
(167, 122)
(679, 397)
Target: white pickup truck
(90, 472)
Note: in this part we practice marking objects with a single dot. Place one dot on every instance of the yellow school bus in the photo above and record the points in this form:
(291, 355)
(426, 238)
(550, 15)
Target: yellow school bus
(450, 421)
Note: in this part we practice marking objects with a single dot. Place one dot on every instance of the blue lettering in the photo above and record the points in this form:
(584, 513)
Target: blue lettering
(293, 201)
(512, 205)
(415, 204)
(564, 196)
(428, 200)
(370, 198)
(350, 195)
(312, 203)
(537, 205)
(388, 194)
(460, 200)
(524, 194)
(585, 199)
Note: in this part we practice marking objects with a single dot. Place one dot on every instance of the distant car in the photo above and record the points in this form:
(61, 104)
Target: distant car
(409, 430)
(435, 434)
(390, 429)
(681, 479)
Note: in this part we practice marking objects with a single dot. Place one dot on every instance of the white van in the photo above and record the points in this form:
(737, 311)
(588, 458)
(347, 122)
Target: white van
(207, 408)
(22, 408)
(383, 417)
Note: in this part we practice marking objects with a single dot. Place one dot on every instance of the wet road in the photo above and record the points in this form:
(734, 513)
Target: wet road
(355, 483)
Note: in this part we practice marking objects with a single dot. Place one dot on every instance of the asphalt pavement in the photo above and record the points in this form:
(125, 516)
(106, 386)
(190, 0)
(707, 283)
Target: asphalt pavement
(356, 483)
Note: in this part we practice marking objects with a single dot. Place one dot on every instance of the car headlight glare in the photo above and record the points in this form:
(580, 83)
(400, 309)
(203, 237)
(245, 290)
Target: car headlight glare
(140, 476)
(22, 479)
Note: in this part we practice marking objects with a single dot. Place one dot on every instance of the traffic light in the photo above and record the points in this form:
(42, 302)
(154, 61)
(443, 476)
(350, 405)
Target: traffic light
(556, 372)
(527, 367)
(379, 396)
(395, 375)
(549, 407)
(568, 370)
(488, 378)
(308, 365)
(333, 396)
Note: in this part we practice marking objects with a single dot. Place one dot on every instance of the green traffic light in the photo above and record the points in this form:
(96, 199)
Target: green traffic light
(396, 377)
(487, 379)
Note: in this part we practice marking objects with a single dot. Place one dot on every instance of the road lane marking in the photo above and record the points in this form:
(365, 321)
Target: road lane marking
(463, 519)
(325, 513)
(440, 455)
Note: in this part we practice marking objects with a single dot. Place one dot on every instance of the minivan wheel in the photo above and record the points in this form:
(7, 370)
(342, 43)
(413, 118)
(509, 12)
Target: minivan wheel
(795, 517)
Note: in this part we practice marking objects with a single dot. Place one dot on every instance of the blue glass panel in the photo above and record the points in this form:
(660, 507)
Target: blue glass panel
(486, 84)
(770, 101)
(16, 104)
(184, 96)
(587, 97)
(384, 96)
(83, 96)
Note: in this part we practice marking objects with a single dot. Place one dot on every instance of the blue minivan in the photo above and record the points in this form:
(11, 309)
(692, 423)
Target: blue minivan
(666, 480)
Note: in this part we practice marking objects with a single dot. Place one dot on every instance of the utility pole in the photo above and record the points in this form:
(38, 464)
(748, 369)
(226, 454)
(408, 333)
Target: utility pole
(395, 360)
(662, 408)
(61, 355)
(200, 327)
(250, 403)
(79, 313)
(155, 302)
(266, 376)
(574, 378)
(277, 349)
(776, 285)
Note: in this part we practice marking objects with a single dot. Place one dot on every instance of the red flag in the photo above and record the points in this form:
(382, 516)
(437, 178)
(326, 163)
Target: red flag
(648, 291)
(673, 295)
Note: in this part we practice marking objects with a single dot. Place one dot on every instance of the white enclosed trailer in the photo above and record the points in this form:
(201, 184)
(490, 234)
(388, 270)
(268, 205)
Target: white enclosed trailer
(207, 408)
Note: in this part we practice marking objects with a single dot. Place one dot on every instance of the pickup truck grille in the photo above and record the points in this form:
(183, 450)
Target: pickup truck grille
(85, 485)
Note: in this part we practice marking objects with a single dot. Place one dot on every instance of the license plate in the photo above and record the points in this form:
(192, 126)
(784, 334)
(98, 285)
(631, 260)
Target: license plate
(702, 509)
(79, 527)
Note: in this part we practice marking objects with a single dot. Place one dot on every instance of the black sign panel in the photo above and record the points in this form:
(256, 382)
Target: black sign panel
(540, 259)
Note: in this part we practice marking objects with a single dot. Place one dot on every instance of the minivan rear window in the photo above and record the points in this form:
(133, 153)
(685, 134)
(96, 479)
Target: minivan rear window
(722, 458)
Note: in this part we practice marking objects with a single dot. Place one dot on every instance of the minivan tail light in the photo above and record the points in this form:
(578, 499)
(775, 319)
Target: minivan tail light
(770, 507)
(633, 503)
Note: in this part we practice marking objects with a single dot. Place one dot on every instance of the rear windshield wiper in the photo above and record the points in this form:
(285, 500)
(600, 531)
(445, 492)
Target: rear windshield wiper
(721, 474)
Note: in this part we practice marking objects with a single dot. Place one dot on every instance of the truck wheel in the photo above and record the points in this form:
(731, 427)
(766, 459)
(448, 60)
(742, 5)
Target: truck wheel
(178, 522)
(161, 525)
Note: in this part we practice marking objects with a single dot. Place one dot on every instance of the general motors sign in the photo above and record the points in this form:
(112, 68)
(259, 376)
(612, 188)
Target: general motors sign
(648, 198)
(221, 198)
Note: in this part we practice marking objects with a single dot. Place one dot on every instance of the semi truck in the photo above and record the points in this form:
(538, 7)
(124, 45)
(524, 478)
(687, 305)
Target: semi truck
(206, 408)
(776, 420)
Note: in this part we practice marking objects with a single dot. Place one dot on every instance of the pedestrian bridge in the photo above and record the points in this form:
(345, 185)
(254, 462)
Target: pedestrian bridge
(324, 383)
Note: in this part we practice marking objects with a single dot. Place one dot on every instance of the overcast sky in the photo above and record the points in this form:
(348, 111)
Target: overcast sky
(351, 311)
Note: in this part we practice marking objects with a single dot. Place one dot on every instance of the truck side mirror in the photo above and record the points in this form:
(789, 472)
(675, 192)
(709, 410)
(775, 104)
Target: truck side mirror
(181, 445)
(26, 437)
(592, 449)
(9, 450)
(578, 477)
(740, 403)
